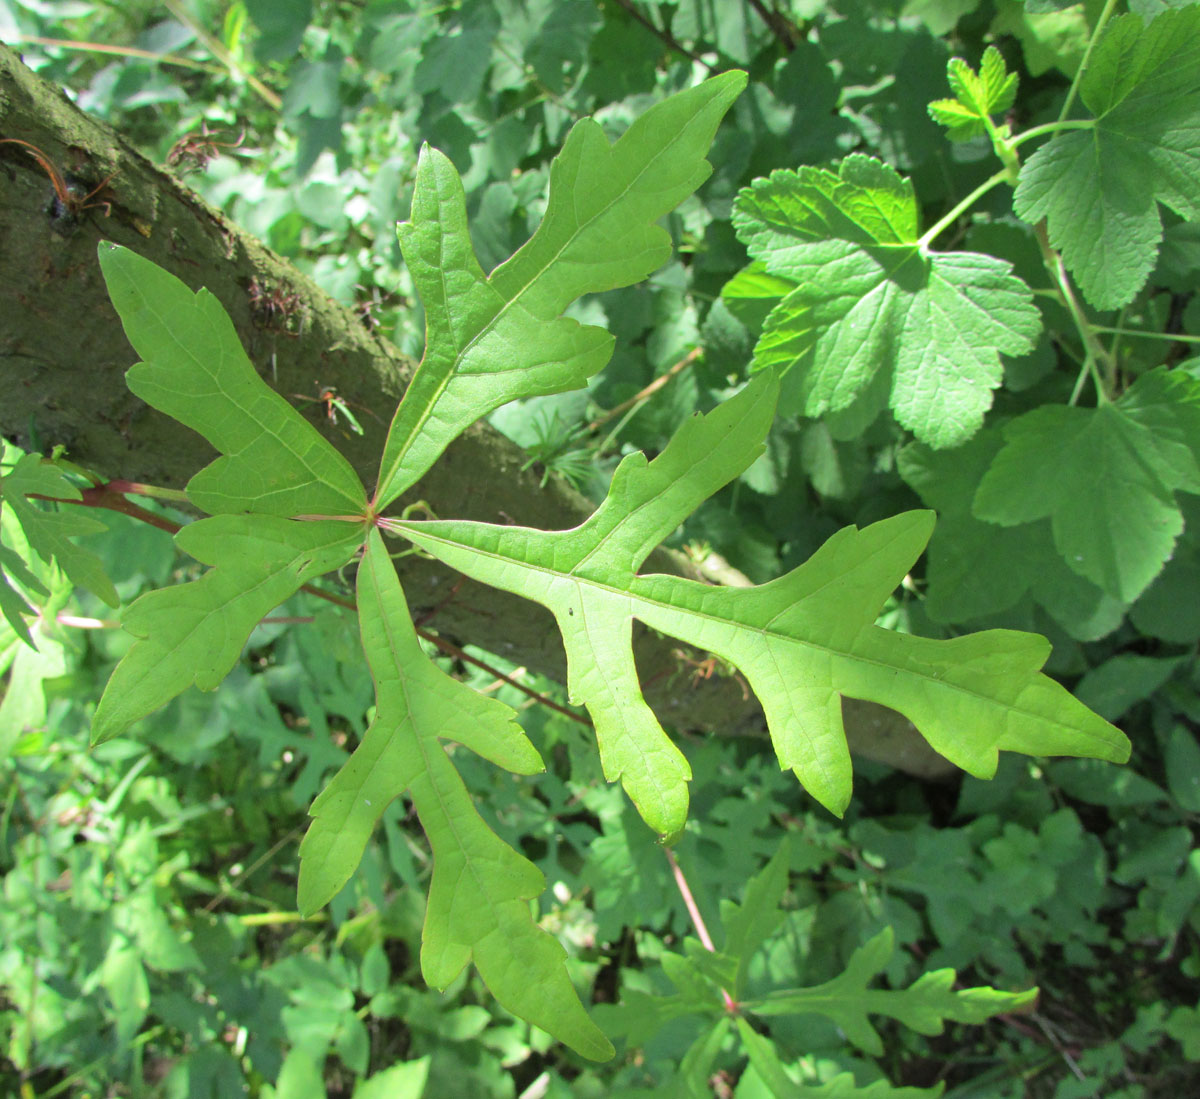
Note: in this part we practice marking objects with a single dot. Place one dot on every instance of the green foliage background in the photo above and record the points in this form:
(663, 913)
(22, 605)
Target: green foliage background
(150, 939)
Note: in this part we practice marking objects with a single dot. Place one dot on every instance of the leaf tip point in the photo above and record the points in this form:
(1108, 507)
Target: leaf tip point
(926, 519)
(308, 901)
(99, 735)
(602, 1050)
(669, 840)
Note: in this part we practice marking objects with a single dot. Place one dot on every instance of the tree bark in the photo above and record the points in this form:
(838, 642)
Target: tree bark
(63, 355)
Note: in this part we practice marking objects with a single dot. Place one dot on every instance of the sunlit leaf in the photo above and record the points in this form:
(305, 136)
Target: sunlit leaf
(193, 633)
(872, 305)
(195, 370)
(1099, 188)
(50, 532)
(494, 338)
(1107, 479)
(802, 641)
(977, 96)
(479, 899)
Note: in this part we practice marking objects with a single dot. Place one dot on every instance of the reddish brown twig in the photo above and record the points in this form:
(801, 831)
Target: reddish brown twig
(105, 496)
(648, 391)
(110, 496)
(731, 1005)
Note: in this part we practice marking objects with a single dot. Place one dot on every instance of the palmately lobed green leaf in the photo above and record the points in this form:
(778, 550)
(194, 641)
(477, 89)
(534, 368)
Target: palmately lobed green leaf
(871, 307)
(478, 906)
(802, 641)
(582, 575)
(1107, 478)
(977, 95)
(1104, 222)
(490, 340)
(1099, 188)
(764, 1059)
(15, 561)
(50, 532)
(195, 370)
(924, 1006)
(494, 339)
(977, 569)
(865, 202)
(193, 633)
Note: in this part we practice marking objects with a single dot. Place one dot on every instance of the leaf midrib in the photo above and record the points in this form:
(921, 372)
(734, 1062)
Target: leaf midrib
(500, 313)
(608, 590)
(318, 479)
(424, 745)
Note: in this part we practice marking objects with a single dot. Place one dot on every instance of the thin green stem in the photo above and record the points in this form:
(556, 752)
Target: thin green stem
(943, 223)
(1003, 148)
(268, 919)
(1083, 375)
(1052, 128)
(67, 1084)
(119, 51)
(611, 437)
(1097, 361)
(1170, 337)
(1105, 15)
(1114, 348)
(74, 1078)
(234, 882)
(219, 51)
